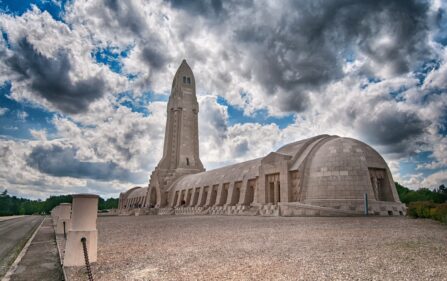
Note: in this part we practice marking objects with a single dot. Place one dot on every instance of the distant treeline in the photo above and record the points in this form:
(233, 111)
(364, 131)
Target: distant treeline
(12, 205)
(406, 195)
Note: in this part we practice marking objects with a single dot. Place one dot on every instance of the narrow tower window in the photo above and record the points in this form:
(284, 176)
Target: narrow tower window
(184, 79)
(189, 80)
(187, 161)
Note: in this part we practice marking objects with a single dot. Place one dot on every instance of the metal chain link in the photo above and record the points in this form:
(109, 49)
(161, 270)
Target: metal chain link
(87, 263)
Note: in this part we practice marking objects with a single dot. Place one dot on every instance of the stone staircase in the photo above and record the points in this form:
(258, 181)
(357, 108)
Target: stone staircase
(165, 211)
(239, 210)
(234, 210)
(217, 210)
(191, 211)
(269, 210)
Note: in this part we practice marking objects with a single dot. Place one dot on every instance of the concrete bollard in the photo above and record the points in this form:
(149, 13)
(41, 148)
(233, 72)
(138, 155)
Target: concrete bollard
(64, 217)
(83, 224)
(55, 215)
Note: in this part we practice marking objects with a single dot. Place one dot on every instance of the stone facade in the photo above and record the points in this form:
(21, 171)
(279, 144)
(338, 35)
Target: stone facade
(320, 176)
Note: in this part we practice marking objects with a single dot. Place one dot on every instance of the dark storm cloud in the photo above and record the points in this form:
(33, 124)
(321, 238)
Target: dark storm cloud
(395, 130)
(153, 57)
(50, 79)
(208, 8)
(128, 17)
(62, 162)
(307, 47)
(126, 14)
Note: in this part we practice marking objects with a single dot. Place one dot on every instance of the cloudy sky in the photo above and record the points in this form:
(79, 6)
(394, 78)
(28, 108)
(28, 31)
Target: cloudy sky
(84, 85)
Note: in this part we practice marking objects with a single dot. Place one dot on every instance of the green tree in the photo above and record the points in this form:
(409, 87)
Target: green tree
(407, 195)
(11, 205)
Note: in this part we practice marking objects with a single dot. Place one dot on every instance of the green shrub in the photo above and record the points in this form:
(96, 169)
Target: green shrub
(441, 213)
(420, 209)
(428, 209)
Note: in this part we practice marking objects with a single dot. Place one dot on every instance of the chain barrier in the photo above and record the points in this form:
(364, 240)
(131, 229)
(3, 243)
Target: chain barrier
(87, 263)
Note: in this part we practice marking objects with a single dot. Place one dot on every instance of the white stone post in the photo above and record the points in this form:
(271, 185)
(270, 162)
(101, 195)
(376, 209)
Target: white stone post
(55, 215)
(83, 224)
(64, 217)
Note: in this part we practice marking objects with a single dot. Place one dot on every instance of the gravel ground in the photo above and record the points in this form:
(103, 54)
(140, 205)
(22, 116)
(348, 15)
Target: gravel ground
(268, 248)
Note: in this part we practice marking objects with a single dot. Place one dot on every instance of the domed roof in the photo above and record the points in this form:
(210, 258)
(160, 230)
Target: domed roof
(341, 168)
(136, 192)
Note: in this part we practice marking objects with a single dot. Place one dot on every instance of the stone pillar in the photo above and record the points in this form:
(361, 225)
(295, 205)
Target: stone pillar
(209, 196)
(188, 196)
(284, 179)
(276, 192)
(243, 194)
(64, 217)
(220, 191)
(179, 198)
(194, 197)
(83, 224)
(255, 195)
(200, 199)
(230, 195)
(261, 197)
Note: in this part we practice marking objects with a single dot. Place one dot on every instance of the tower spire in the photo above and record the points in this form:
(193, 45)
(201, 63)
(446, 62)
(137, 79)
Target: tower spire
(181, 144)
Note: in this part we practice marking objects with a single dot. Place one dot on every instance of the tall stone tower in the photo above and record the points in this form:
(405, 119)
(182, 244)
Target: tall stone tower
(181, 143)
(181, 146)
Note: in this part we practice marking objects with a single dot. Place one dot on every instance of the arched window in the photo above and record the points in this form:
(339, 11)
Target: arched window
(189, 80)
(184, 79)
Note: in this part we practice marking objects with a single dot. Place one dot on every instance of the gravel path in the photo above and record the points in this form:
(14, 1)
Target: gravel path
(268, 248)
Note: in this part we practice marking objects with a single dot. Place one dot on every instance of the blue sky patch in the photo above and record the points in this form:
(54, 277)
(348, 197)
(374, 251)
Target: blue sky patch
(139, 103)
(111, 56)
(5, 37)
(425, 68)
(18, 7)
(369, 81)
(408, 166)
(236, 115)
(20, 118)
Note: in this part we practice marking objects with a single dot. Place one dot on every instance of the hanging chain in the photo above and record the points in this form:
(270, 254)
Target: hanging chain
(87, 263)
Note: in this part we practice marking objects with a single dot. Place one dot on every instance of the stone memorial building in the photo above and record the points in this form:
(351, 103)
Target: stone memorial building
(320, 176)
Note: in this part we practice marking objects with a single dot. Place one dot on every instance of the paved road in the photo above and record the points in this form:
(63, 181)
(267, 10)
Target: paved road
(13, 236)
(9, 218)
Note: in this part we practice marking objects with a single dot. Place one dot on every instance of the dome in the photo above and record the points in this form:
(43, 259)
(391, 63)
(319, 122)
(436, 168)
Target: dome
(137, 192)
(345, 169)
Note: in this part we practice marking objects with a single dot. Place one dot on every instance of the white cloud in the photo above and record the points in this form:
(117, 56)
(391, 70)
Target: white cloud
(435, 179)
(3, 110)
(21, 115)
(256, 56)
(39, 134)
(51, 65)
